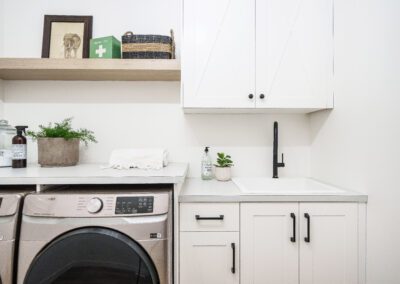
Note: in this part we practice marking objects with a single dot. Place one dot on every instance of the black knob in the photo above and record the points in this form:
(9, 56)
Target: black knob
(262, 96)
(251, 96)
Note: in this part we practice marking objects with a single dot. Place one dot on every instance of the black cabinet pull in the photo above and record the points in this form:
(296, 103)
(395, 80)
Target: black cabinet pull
(308, 238)
(220, 217)
(233, 269)
(262, 96)
(293, 238)
(251, 96)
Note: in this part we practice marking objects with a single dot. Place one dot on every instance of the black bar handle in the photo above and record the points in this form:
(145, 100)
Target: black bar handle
(233, 269)
(220, 217)
(293, 238)
(308, 238)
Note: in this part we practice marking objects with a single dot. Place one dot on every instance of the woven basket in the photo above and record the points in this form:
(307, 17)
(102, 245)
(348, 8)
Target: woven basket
(148, 46)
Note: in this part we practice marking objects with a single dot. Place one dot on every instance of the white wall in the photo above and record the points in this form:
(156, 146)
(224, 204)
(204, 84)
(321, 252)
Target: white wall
(2, 21)
(1, 52)
(357, 145)
(24, 20)
(139, 114)
(1, 99)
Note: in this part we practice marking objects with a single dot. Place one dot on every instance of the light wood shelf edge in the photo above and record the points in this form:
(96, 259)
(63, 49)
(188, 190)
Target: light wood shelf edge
(90, 69)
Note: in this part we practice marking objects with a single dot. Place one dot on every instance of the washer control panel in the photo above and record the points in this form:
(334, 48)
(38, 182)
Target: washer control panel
(134, 205)
(95, 205)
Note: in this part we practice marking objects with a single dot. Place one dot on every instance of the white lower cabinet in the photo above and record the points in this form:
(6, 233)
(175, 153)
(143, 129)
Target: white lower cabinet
(269, 245)
(209, 243)
(280, 243)
(331, 254)
(209, 257)
(306, 243)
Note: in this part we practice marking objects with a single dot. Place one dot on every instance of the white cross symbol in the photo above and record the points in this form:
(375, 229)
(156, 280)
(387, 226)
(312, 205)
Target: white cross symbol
(101, 50)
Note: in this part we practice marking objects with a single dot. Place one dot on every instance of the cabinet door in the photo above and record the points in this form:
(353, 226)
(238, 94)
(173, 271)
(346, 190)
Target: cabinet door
(218, 67)
(330, 256)
(294, 53)
(269, 255)
(209, 258)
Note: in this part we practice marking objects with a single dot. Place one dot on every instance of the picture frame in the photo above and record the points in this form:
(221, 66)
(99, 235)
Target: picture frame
(66, 37)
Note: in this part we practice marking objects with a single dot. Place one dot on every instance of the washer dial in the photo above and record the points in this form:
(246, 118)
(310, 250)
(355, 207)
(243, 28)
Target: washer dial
(94, 205)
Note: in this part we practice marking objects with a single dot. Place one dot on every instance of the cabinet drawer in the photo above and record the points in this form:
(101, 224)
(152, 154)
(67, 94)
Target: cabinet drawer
(208, 217)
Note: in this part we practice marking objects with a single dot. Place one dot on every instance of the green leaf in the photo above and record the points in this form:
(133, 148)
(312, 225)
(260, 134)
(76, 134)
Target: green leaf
(64, 130)
(224, 160)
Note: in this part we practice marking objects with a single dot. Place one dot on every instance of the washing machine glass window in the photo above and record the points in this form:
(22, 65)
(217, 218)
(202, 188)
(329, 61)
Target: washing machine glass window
(92, 256)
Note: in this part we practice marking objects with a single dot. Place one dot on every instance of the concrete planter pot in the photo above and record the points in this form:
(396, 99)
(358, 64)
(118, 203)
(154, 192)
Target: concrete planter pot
(58, 152)
(223, 174)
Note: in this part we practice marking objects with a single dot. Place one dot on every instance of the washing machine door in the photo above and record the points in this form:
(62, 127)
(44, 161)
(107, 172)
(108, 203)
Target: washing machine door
(92, 256)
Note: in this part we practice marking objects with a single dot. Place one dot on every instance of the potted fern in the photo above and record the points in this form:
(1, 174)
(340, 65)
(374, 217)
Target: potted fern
(223, 167)
(58, 143)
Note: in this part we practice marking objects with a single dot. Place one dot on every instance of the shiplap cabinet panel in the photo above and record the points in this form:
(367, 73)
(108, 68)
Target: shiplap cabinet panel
(257, 55)
(207, 258)
(268, 255)
(294, 52)
(218, 53)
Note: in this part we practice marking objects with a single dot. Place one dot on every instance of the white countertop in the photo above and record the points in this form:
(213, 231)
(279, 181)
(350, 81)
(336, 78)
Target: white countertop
(197, 190)
(92, 174)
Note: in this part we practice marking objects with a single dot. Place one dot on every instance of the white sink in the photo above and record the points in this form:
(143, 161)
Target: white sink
(284, 186)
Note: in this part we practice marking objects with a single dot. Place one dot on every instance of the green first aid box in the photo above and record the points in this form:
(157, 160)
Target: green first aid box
(105, 47)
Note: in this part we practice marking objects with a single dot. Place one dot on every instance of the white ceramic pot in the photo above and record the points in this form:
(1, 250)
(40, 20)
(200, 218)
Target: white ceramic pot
(223, 174)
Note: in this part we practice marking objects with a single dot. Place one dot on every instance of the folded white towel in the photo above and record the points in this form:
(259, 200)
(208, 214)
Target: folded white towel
(147, 158)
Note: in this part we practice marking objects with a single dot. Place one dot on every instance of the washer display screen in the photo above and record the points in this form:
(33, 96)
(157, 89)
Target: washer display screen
(134, 205)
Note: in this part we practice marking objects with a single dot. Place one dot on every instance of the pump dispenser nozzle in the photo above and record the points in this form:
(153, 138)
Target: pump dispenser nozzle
(21, 129)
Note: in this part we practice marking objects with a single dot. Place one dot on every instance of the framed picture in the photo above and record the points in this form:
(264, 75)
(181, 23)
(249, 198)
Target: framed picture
(66, 36)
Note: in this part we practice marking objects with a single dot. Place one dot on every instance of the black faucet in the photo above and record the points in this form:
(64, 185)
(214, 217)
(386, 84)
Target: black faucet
(276, 164)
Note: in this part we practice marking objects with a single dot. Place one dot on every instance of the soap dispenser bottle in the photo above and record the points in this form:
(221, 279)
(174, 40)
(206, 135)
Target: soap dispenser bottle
(206, 166)
(18, 148)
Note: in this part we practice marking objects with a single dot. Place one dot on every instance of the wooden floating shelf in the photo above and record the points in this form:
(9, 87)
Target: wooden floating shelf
(90, 69)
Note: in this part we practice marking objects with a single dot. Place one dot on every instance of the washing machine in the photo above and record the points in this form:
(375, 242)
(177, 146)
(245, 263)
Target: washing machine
(10, 205)
(97, 236)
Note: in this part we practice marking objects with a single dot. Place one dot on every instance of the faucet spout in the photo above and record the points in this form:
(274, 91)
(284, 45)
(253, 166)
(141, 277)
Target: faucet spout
(275, 163)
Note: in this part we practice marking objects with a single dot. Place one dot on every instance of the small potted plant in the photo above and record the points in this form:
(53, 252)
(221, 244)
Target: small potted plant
(223, 167)
(58, 144)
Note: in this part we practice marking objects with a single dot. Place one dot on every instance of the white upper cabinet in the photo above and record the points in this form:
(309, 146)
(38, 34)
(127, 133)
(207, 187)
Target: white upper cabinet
(257, 54)
(218, 54)
(294, 51)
